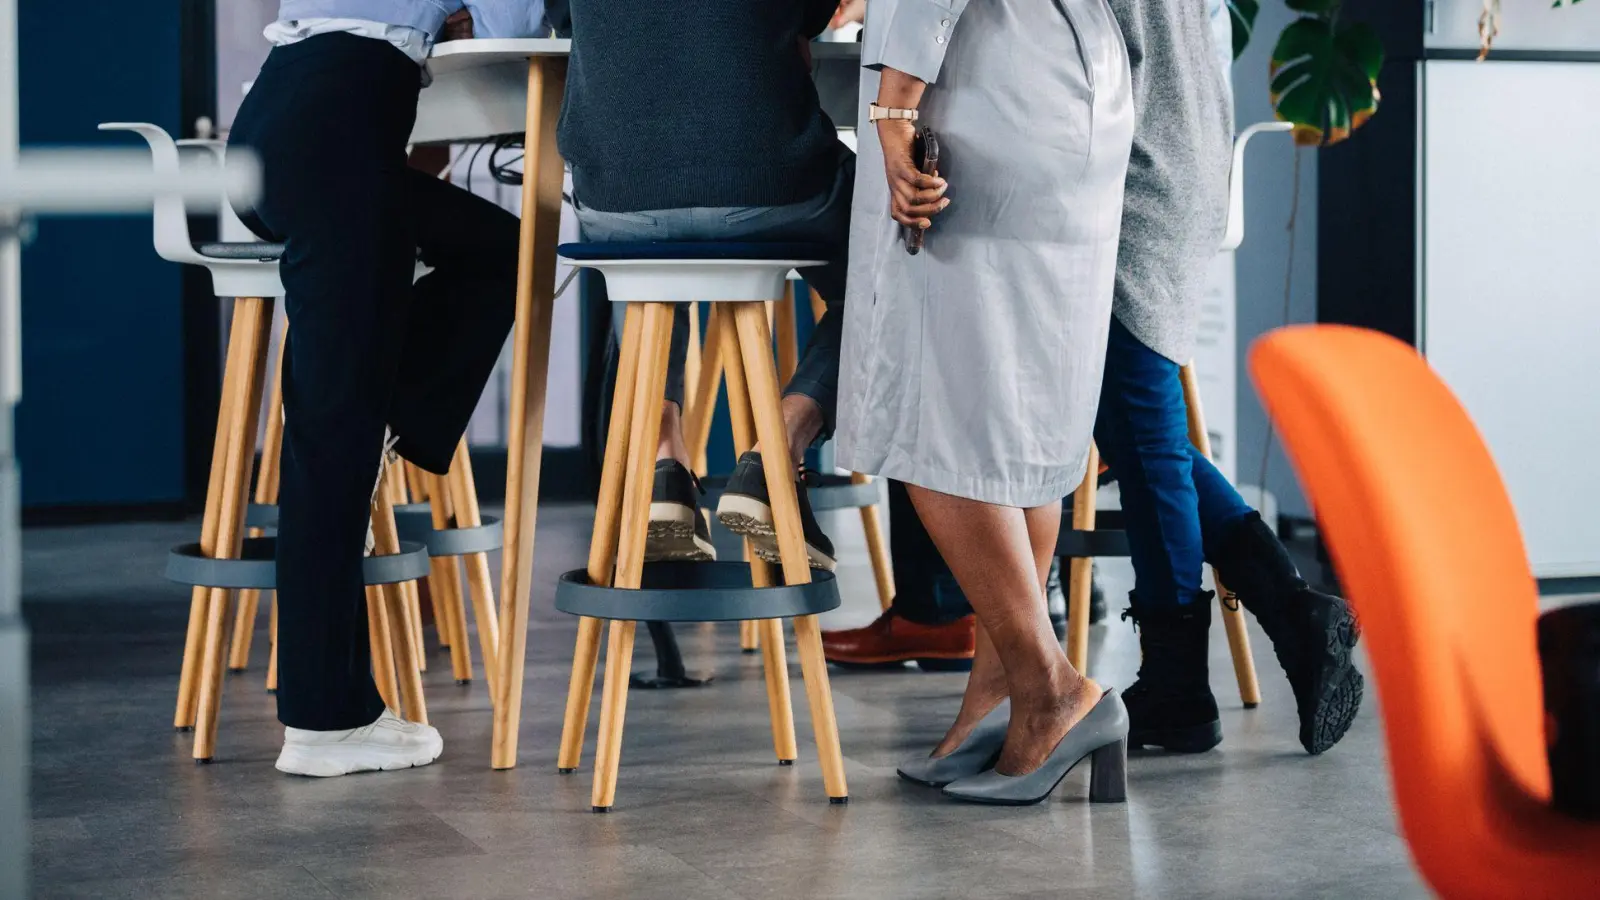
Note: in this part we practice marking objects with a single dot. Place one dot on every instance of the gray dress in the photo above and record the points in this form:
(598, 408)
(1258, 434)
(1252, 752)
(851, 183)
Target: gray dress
(973, 368)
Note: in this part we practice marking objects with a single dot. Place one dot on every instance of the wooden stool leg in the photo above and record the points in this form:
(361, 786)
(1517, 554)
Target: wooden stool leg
(766, 635)
(244, 626)
(246, 403)
(410, 591)
(691, 365)
(877, 548)
(463, 491)
(413, 704)
(788, 337)
(603, 544)
(1244, 664)
(1081, 571)
(378, 635)
(199, 597)
(763, 380)
(530, 369)
(444, 584)
(644, 433)
(871, 519)
(709, 375)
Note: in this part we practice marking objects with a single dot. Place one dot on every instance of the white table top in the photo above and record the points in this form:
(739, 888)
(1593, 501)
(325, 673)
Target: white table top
(453, 56)
(480, 85)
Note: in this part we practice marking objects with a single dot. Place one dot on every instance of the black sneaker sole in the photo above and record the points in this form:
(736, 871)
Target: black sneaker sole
(671, 536)
(750, 518)
(1337, 686)
(1186, 739)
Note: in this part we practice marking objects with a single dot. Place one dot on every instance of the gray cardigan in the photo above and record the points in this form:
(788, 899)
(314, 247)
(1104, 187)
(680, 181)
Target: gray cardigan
(1175, 203)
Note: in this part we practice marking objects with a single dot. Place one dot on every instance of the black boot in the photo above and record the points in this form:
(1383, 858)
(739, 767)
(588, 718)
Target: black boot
(1171, 705)
(1312, 633)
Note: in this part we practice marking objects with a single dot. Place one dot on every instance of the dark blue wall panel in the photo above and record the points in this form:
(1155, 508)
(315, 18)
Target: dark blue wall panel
(101, 422)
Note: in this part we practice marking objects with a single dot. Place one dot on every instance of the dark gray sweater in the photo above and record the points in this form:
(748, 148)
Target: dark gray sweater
(673, 104)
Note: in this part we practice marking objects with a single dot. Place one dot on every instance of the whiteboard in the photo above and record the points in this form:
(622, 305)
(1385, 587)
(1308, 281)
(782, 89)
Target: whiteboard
(1511, 290)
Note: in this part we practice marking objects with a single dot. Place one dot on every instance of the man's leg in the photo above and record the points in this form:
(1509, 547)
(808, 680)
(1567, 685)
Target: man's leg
(930, 620)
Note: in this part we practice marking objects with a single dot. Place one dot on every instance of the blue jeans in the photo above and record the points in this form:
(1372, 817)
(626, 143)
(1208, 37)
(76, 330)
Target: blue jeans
(824, 219)
(1173, 498)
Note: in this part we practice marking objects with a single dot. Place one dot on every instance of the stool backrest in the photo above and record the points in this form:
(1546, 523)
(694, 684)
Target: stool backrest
(1233, 234)
(171, 217)
(230, 221)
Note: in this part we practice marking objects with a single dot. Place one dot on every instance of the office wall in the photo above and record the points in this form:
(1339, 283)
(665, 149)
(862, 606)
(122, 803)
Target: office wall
(102, 420)
(1264, 258)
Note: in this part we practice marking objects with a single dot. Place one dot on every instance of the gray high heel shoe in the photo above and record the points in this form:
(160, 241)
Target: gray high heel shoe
(976, 753)
(1101, 736)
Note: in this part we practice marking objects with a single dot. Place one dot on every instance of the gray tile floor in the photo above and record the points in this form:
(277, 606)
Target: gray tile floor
(120, 810)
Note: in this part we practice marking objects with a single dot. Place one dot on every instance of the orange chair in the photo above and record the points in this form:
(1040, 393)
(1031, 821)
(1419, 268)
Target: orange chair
(1426, 544)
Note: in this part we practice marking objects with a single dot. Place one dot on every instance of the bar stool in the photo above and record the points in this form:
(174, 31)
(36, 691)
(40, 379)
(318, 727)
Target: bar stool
(650, 277)
(223, 560)
(1081, 541)
(828, 492)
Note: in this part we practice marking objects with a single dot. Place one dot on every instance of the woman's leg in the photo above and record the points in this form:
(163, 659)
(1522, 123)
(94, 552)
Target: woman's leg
(991, 552)
(986, 686)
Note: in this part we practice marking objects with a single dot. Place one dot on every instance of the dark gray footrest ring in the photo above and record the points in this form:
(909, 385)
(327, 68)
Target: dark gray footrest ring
(257, 566)
(831, 492)
(414, 522)
(1089, 544)
(696, 592)
(261, 515)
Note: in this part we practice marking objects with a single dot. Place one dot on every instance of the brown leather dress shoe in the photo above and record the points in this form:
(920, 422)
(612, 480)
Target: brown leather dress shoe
(893, 641)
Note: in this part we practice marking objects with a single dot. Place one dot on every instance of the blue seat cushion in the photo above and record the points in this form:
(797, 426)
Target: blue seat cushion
(258, 250)
(693, 250)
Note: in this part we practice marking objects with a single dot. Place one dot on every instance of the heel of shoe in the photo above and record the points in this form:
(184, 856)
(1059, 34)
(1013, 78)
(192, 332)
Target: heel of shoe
(1108, 773)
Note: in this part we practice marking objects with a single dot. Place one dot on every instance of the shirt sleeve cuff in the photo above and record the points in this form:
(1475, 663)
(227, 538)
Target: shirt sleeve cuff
(909, 35)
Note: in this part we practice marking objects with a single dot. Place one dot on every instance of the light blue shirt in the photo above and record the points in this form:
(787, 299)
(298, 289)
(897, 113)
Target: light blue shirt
(490, 18)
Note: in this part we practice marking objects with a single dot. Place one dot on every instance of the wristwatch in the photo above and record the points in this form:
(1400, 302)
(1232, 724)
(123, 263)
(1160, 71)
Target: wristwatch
(876, 112)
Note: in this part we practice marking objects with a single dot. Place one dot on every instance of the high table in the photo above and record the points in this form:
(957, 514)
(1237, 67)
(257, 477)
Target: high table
(487, 87)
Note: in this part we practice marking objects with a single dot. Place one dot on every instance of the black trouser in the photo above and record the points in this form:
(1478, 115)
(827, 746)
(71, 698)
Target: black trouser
(330, 118)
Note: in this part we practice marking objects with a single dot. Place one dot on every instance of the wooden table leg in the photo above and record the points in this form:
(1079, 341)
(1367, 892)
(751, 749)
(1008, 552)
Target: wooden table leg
(246, 403)
(644, 430)
(765, 635)
(754, 341)
(603, 543)
(1080, 575)
(541, 225)
(1244, 664)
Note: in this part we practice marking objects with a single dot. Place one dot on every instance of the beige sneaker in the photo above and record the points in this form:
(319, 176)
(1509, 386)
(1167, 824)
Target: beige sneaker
(387, 744)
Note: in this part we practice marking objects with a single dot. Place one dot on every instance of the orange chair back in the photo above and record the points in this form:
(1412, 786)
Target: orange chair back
(1426, 544)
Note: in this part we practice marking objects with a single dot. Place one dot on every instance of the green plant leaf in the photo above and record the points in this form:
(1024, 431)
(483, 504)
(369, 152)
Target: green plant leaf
(1325, 79)
(1243, 13)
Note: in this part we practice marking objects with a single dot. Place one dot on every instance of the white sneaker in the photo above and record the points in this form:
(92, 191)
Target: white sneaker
(387, 744)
